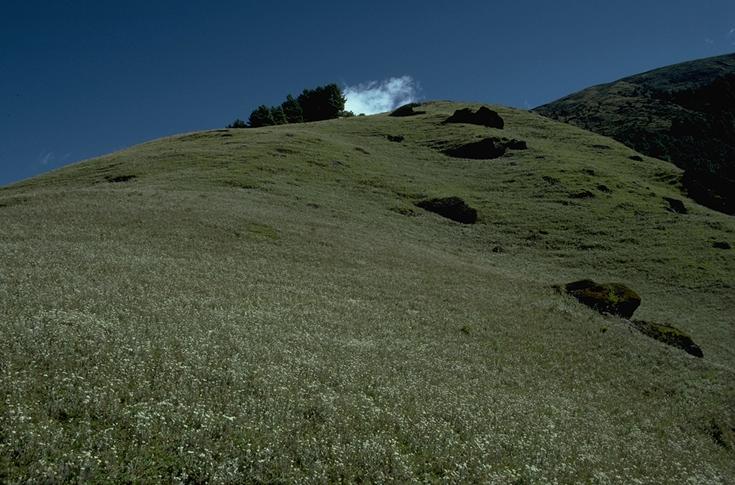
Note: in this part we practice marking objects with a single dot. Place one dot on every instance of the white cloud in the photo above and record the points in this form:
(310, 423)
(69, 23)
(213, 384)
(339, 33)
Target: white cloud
(380, 96)
(44, 158)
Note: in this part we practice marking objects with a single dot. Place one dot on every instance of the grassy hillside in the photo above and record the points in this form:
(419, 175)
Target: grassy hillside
(684, 113)
(271, 305)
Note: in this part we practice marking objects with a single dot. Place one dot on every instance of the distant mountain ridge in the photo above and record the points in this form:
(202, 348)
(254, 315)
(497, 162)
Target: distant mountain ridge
(684, 113)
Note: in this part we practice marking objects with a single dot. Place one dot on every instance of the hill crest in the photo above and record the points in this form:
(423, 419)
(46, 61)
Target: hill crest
(683, 113)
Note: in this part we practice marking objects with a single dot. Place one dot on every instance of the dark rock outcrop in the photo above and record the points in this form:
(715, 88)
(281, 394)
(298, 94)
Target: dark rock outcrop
(613, 298)
(395, 138)
(676, 206)
(407, 110)
(514, 144)
(452, 208)
(485, 149)
(584, 194)
(483, 117)
(669, 335)
(120, 178)
(721, 245)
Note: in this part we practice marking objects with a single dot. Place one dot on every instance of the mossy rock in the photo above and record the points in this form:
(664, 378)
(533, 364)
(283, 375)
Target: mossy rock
(452, 208)
(669, 335)
(613, 298)
(483, 117)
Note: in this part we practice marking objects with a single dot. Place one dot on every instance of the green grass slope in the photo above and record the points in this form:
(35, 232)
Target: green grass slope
(269, 305)
(684, 113)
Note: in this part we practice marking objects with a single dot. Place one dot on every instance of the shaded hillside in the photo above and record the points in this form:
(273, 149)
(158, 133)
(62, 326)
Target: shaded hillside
(684, 113)
(297, 304)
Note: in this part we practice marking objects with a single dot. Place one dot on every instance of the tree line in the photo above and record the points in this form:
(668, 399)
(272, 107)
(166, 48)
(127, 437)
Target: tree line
(321, 103)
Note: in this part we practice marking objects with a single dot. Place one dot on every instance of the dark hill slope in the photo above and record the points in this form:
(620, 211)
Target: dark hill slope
(272, 305)
(684, 113)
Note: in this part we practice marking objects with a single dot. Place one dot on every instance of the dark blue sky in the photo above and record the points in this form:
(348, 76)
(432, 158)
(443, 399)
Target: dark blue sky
(82, 78)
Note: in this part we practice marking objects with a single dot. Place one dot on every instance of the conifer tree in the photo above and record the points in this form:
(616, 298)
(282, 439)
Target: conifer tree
(322, 103)
(261, 116)
(292, 110)
(279, 118)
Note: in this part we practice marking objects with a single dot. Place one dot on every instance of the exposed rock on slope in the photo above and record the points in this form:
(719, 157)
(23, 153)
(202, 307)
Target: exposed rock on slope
(675, 205)
(407, 110)
(452, 208)
(683, 113)
(669, 335)
(485, 149)
(613, 298)
(483, 116)
(617, 299)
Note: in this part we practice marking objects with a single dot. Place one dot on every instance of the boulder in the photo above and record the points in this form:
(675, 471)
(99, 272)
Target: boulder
(120, 178)
(395, 138)
(613, 298)
(514, 144)
(721, 245)
(669, 335)
(452, 208)
(676, 206)
(584, 194)
(483, 116)
(485, 149)
(407, 110)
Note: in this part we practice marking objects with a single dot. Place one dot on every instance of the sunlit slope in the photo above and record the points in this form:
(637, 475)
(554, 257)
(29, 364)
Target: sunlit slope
(270, 304)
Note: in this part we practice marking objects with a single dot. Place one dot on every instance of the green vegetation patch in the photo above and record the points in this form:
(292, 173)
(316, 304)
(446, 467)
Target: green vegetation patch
(157, 331)
(261, 231)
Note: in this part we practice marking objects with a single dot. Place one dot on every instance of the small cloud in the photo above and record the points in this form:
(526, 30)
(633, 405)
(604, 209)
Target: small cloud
(731, 33)
(381, 96)
(709, 41)
(44, 158)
